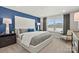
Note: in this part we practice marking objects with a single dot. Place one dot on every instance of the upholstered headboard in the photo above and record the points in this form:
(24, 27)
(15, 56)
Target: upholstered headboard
(24, 23)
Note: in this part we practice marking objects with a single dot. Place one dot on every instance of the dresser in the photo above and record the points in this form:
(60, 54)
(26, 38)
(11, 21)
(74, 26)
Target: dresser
(75, 42)
(7, 39)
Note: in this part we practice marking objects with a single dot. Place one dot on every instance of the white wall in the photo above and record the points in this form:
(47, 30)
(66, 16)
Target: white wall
(73, 24)
(24, 23)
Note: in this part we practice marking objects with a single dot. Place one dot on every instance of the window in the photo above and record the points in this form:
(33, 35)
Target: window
(55, 24)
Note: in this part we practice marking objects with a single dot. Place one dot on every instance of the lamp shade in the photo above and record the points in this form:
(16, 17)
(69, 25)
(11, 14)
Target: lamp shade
(76, 16)
(7, 21)
(38, 23)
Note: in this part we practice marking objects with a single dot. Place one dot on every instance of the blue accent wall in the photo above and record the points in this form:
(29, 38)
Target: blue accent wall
(5, 12)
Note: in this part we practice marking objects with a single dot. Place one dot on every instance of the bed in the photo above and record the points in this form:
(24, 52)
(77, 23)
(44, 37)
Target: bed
(34, 41)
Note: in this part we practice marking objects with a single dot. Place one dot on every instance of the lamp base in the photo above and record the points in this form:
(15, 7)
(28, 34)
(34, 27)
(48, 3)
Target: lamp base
(7, 29)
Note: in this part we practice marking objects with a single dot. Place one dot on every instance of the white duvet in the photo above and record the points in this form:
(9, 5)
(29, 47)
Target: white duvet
(26, 38)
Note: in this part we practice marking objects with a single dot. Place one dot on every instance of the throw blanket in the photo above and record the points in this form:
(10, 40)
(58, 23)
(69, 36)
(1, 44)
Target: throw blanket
(40, 38)
(26, 38)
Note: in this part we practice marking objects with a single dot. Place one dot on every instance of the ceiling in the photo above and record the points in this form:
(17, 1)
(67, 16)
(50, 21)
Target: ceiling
(43, 11)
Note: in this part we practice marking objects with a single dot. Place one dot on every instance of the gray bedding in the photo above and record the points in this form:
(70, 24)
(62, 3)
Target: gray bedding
(39, 38)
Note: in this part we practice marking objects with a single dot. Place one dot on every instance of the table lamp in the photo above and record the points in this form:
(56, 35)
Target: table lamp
(7, 21)
(38, 26)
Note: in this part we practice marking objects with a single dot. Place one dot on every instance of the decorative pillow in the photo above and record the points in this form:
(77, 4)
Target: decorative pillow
(22, 30)
(30, 30)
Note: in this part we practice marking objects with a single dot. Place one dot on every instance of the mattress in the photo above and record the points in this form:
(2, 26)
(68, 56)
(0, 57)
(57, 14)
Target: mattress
(40, 38)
